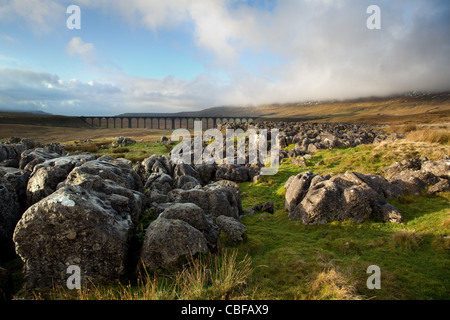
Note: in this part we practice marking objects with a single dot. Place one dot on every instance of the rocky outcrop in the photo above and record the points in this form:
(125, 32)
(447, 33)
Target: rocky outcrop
(88, 221)
(417, 175)
(196, 218)
(263, 207)
(169, 242)
(309, 137)
(232, 172)
(10, 213)
(123, 142)
(19, 180)
(316, 199)
(214, 199)
(31, 157)
(154, 164)
(10, 154)
(232, 227)
(47, 175)
(73, 226)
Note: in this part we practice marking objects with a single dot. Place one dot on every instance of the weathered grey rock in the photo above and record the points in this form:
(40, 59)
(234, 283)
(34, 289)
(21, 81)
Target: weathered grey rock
(380, 185)
(214, 199)
(19, 180)
(74, 226)
(169, 242)
(55, 148)
(156, 197)
(30, 144)
(296, 188)
(232, 227)
(120, 175)
(319, 204)
(386, 212)
(264, 207)
(186, 182)
(184, 169)
(30, 158)
(439, 168)
(207, 172)
(123, 141)
(154, 164)
(356, 204)
(158, 167)
(234, 188)
(442, 186)
(10, 154)
(312, 148)
(248, 212)
(195, 216)
(299, 161)
(47, 175)
(409, 182)
(341, 197)
(415, 175)
(160, 182)
(10, 213)
(232, 172)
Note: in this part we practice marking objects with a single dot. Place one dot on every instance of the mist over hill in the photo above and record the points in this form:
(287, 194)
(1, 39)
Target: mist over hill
(411, 106)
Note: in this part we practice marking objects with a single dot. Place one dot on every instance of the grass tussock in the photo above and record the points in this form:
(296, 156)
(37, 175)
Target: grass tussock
(83, 147)
(386, 153)
(429, 135)
(120, 150)
(332, 285)
(206, 277)
(408, 239)
(402, 129)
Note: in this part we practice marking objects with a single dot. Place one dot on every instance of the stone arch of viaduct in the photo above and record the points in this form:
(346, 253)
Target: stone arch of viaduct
(161, 122)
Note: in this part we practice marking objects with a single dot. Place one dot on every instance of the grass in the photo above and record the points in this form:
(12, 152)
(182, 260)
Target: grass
(135, 152)
(393, 110)
(208, 277)
(429, 135)
(330, 261)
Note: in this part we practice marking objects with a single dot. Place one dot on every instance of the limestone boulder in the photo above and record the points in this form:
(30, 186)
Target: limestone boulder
(74, 226)
(170, 242)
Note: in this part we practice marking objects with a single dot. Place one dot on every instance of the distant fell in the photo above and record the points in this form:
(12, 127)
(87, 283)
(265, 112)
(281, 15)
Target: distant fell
(41, 120)
(414, 107)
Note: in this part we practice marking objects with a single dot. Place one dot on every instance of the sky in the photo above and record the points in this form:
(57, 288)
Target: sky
(187, 55)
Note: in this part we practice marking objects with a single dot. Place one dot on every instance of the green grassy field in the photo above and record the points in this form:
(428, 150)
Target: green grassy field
(329, 261)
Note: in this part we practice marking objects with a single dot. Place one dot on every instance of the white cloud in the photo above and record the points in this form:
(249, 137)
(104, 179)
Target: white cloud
(41, 16)
(86, 51)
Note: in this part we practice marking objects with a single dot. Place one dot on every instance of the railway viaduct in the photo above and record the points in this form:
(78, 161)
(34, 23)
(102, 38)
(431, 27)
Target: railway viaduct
(160, 122)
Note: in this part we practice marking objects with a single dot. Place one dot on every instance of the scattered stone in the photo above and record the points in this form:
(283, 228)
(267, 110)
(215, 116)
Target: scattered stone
(214, 199)
(232, 172)
(10, 214)
(169, 242)
(315, 199)
(123, 142)
(47, 175)
(30, 158)
(74, 226)
(263, 207)
(232, 227)
(195, 216)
